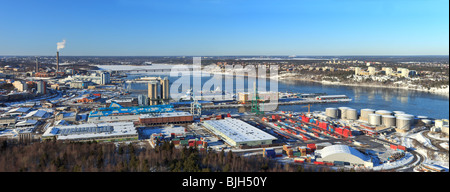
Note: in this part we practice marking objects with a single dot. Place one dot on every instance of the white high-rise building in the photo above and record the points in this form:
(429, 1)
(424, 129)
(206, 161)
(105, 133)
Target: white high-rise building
(106, 79)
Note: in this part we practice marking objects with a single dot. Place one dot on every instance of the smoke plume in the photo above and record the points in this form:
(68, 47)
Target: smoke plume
(61, 45)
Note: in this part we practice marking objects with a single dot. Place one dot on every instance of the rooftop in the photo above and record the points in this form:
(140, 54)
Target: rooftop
(86, 131)
(239, 131)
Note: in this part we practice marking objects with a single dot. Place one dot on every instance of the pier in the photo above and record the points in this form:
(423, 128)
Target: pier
(299, 102)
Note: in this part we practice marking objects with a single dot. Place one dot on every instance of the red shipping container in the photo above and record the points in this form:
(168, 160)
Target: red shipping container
(401, 147)
(311, 146)
(279, 155)
(393, 147)
(199, 142)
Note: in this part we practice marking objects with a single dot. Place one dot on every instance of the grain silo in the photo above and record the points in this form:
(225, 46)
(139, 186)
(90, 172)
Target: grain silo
(351, 114)
(331, 112)
(388, 120)
(375, 119)
(365, 114)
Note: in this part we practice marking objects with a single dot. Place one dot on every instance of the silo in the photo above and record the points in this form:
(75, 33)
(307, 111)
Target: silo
(403, 123)
(388, 120)
(383, 112)
(375, 119)
(343, 112)
(331, 112)
(351, 114)
(365, 114)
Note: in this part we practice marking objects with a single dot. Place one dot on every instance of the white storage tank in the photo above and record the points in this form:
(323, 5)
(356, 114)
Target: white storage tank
(383, 112)
(409, 116)
(388, 120)
(351, 114)
(365, 114)
(399, 112)
(375, 119)
(438, 123)
(403, 123)
(331, 112)
(426, 121)
(343, 112)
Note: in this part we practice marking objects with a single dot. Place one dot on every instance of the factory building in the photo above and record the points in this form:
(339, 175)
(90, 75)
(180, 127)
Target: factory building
(116, 112)
(343, 153)
(121, 131)
(263, 96)
(236, 132)
(165, 118)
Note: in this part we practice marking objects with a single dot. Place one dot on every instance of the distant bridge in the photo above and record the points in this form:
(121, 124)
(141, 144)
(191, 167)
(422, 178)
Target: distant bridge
(150, 70)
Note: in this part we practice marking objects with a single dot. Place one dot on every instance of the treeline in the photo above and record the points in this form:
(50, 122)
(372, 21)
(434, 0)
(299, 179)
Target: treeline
(57, 156)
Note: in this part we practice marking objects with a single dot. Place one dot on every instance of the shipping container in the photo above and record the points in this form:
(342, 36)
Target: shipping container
(402, 148)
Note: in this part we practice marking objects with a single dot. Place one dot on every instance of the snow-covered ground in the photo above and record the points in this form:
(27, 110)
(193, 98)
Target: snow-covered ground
(396, 164)
(436, 159)
(423, 140)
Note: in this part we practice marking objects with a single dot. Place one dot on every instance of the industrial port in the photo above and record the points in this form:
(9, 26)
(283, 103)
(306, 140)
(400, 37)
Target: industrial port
(340, 138)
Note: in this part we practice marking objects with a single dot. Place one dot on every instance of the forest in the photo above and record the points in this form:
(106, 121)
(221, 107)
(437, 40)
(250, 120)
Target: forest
(58, 156)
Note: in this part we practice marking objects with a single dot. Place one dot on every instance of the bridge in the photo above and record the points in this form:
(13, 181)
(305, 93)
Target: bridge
(149, 70)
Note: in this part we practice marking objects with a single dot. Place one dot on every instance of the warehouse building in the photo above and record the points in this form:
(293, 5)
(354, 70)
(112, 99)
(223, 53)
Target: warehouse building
(236, 132)
(164, 118)
(343, 153)
(122, 131)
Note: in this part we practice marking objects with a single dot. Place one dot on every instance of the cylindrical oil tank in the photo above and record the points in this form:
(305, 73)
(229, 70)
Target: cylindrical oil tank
(409, 116)
(399, 112)
(438, 123)
(343, 112)
(351, 114)
(365, 114)
(331, 112)
(426, 121)
(403, 123)
(383, 112)
(374, 119)
(388, 120)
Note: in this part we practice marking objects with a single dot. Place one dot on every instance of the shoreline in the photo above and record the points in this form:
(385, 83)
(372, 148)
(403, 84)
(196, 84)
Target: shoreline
(444, 92)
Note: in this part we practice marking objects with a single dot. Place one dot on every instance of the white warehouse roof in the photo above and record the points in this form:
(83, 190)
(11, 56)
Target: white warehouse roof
(344, 153)
(239, 131)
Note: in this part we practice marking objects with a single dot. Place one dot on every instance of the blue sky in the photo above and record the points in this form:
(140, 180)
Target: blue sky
(225, 27)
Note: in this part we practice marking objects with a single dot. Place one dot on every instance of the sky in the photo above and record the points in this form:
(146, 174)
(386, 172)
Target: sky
(224, 27)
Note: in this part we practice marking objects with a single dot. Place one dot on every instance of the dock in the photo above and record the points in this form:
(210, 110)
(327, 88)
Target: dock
(299, 102)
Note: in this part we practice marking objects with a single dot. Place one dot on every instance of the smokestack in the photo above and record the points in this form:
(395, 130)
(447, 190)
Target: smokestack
(59, 46)
(57, 61)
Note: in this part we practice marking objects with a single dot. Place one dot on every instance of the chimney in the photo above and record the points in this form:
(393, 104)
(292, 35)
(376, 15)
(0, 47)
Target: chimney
(57, 61)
